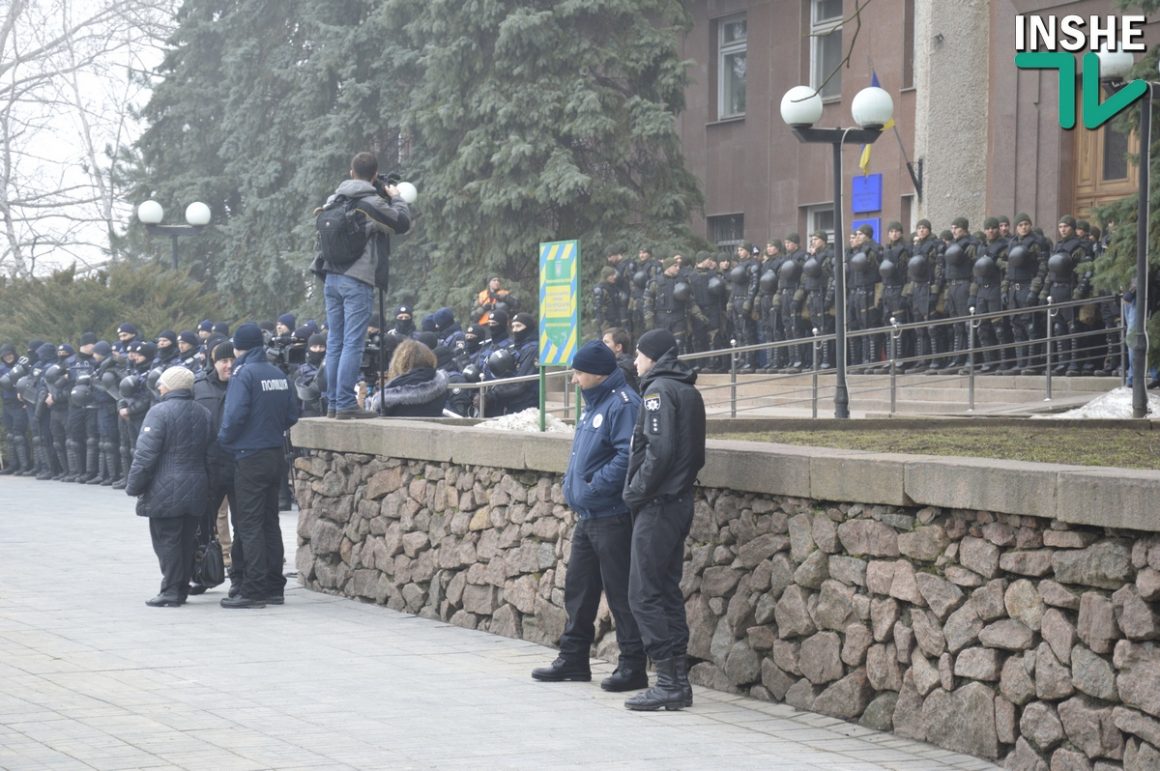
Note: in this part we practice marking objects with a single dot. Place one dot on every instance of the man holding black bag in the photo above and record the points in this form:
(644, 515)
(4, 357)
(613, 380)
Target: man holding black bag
(354, 236)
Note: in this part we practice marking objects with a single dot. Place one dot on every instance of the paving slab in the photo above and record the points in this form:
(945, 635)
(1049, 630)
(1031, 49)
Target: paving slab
(92, 678)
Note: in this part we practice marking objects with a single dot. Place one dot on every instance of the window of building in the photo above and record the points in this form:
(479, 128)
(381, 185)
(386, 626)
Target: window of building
(1102, 172)
(727, 231)
(731, 64)
(826, 47)
(821, 217)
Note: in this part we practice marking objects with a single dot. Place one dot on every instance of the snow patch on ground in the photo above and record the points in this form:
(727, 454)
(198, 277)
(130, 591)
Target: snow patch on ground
(1115, 404)
(528, 420)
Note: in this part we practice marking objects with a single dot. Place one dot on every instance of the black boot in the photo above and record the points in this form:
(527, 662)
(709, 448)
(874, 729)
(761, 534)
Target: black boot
(44, 465)
(682, 674)
(111, 457)
(20, 450)
(61, 461)
(102, 470)
(92, 463)
(667, 693)
(73, 455)
(563, 669)
(627, 677)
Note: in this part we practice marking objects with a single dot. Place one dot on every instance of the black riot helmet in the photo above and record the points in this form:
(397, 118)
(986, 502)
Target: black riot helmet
(502, 363)
(55, 373)
(984, 267)
(859, 263)
(738, 274)
(682, 292)
(1017, 257)
(640, 279)
(81, 394)
(789, 271)
(918, 269)
(471, 373)
(128, 386)
(812, 267)
(886, 268)
(768, 281)
(1060, 264)
(716, 287)
(955, 255)
(152, 379)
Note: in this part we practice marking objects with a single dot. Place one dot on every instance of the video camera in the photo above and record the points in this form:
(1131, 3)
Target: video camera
(285, 351)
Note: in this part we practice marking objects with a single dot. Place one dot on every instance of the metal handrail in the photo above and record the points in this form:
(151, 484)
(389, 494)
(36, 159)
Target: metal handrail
(894, 330)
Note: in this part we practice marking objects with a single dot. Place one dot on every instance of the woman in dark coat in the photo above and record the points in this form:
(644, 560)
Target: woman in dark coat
(415, 388)
(169, 477)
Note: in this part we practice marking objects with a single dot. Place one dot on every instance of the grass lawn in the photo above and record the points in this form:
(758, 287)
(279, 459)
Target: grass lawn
(1040, 442)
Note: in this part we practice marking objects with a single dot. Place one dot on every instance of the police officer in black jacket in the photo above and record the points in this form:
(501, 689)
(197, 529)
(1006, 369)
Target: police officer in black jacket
(667, 451)
(260, 407)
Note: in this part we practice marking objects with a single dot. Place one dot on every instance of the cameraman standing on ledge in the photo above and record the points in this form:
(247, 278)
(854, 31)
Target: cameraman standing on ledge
(349, 289)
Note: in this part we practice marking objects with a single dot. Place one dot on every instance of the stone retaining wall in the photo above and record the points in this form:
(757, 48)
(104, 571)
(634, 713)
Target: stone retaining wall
(1003, 635)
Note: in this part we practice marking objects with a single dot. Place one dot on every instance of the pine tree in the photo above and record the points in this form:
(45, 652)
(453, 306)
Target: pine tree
(539, 121)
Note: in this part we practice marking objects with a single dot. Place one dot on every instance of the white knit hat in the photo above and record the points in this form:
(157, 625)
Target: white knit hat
(176, 378)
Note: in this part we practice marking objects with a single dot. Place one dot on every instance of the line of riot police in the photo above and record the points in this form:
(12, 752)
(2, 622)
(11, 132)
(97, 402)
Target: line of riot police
(786, 291)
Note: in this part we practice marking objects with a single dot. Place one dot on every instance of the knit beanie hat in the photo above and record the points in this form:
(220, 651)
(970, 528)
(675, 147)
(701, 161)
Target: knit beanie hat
(594, 358)
(176, 378)
(656, 343)
(248, 336)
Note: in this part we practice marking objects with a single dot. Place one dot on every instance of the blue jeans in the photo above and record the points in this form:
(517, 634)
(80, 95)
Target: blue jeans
(348, 312)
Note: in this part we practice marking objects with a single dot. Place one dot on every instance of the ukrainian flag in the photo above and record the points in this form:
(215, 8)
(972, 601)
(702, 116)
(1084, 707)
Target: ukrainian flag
(864, 161)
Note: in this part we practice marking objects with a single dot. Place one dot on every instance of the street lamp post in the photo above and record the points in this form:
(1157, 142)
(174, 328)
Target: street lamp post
(1114, 69)
(197, 214)
(872, 107)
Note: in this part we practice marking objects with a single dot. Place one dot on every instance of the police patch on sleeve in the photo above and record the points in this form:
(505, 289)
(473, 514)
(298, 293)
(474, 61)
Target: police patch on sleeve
(652, 402)
(598, 421)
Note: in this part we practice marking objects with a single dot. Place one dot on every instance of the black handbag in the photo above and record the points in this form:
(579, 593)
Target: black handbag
(210, 567)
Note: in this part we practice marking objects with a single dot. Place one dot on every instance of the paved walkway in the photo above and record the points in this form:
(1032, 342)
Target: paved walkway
(92, 678)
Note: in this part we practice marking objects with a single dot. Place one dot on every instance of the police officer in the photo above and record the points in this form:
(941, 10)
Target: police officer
(106, 382)
(1026, 270)
(646, 269)
(922, 275)
(602, 537)
(516, 359)
(607, 300)
(134, 402)
(960, 256)
(1062, 284)
(895, 299)
(818, 286)
(743, 283)
(987, 293)
(81, 442)
(189, 353)
(58, 382)
(766, 308)
(790, 296)
(259, 408)
(1089, 348)
(862, 309)
(667, 451)
(709, 293)
(33, 393)
(310, 378)
(668, 303)
(1110, 311)
(14, 415)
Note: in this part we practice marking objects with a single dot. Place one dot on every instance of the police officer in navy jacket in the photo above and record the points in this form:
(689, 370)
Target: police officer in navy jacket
(259, 408)
(602, 538)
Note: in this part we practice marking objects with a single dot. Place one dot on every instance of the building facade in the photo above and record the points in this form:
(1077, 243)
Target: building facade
(980, 136)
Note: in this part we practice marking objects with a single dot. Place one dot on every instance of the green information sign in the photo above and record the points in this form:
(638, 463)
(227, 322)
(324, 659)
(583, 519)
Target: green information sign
(559, 302)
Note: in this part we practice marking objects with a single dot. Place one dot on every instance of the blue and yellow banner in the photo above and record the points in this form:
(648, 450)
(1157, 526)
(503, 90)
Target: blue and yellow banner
(559, 302)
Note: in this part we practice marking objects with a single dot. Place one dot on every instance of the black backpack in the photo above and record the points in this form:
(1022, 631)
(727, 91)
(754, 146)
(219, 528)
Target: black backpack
(342, 232)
